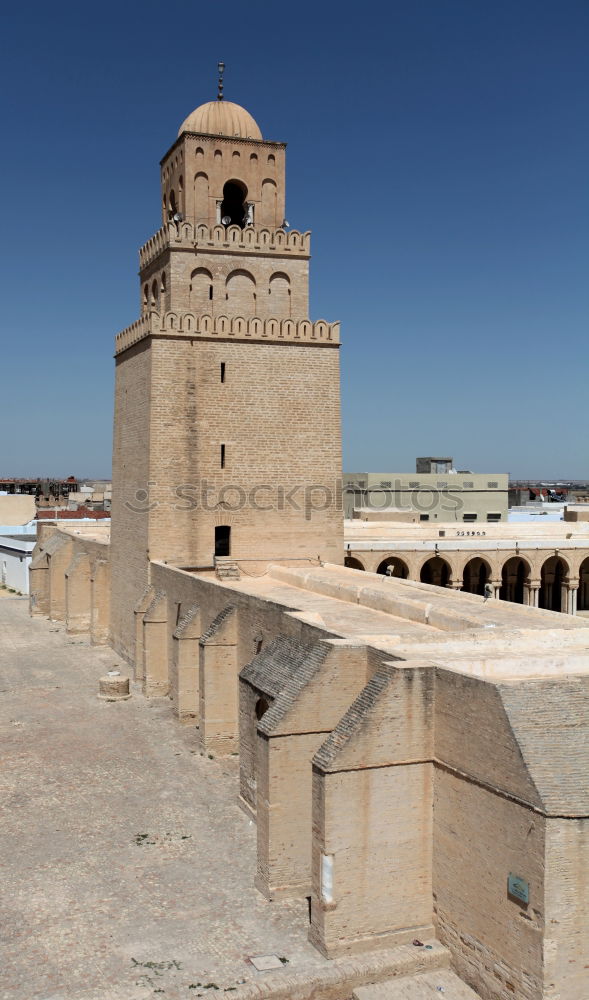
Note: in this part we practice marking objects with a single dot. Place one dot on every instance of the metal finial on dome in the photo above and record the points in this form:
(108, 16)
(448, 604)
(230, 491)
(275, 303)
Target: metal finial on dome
(221, 68)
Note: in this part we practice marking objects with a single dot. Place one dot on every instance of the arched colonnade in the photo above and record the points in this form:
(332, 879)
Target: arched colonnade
(554, 581)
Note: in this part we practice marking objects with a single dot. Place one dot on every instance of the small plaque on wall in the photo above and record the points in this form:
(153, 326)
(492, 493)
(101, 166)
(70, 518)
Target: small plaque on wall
(518, 888)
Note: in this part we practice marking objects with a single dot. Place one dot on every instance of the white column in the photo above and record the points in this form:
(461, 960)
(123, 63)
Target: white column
(496, 585)
(533, 595)
(571, 605)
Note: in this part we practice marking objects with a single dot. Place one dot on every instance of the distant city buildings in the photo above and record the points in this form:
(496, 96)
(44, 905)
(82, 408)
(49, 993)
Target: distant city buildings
(20, 515)
(435, 492)
(40, 487)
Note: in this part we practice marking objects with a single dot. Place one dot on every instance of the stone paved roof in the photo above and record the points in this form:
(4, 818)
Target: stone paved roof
(185, 621)
(158, 598)
(550, 721)
(217, 622)
(353, 718)
(304, 663)
(273, 667)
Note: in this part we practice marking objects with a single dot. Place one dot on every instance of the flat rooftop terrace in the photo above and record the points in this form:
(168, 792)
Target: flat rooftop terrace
(449, 530)
(93, 531)
(417, 621)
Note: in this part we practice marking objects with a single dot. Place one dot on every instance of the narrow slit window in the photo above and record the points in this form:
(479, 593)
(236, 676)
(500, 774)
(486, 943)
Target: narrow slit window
(210, 291)
(222, 456)
(222, 371)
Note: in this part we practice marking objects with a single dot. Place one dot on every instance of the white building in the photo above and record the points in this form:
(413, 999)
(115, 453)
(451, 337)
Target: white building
(15, 557)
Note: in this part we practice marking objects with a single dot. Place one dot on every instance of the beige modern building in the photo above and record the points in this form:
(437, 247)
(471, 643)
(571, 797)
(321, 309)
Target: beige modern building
(414, 758)
(435, 492)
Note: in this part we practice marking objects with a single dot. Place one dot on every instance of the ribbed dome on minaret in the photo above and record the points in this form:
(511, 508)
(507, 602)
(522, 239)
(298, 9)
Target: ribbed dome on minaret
(221, 118)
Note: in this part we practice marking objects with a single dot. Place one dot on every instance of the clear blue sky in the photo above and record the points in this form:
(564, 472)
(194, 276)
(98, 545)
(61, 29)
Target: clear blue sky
(438, 149)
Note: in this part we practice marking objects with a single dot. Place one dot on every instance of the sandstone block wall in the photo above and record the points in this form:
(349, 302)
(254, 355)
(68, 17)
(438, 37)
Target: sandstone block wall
(100, 600)
(184, 665)
(69, 578)
(78, 593)
(303, 713)
(284, 815)
(155, 674)
(505, 761)
(376, 826)
(130, 499)
(276, 416)
(218, 689)
(372, 816)
(480, 838)
(566, 899)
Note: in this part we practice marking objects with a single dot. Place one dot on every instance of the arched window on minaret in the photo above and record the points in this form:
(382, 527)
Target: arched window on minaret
(201, 197)
(240, 294)
(269, 196)
(201, 290)
(279, 295)
(154, 293)
(233, 206)
(173, 206)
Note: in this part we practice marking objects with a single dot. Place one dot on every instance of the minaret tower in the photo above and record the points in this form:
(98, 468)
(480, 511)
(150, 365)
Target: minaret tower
(227, 421)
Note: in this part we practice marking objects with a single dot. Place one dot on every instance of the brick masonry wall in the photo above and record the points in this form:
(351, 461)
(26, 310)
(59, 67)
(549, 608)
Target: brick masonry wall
(59, 561)
(277, 413)
(78, 593)
(481, 837)
(284, 813)
(258, 620)
(131, 473)
(377, 825)
(248, 724)
(566, 894)
(223, 284)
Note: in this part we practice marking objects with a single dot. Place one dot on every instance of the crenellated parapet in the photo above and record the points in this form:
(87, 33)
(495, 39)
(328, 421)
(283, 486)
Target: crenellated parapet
(132, 334)
(187, 324)
(186, 236)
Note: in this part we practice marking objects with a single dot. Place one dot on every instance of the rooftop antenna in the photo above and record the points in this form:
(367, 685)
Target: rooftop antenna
(221, 68)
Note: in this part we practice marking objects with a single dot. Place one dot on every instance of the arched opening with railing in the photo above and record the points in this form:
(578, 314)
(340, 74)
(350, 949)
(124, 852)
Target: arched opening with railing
(583, 594)
(352, 563)
(552, 595)
(435, 571)
(475, 576)
(233, 206)
(515, 580)
(393, 566)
